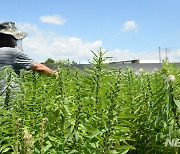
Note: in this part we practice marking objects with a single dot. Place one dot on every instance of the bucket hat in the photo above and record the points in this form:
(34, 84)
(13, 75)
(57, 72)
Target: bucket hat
(10, 29)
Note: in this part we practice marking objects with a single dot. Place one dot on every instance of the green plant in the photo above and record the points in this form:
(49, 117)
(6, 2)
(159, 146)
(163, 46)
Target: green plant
(100, 110)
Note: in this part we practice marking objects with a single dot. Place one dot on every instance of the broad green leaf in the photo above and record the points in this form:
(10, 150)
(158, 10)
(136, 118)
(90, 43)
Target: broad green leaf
(94, 134)
(177, 102)
(4, 147)
(124, 147)
(6, 150)
(73, 151)
(126, 116)
(76, 136)
(48, 146)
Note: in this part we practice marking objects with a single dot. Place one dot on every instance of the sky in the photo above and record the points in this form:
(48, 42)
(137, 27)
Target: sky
(70, 29)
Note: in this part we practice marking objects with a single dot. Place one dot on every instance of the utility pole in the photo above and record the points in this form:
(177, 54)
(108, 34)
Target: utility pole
(159, 54)
(166, 54)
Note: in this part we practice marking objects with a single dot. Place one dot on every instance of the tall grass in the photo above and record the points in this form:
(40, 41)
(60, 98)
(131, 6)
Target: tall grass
(101, 110)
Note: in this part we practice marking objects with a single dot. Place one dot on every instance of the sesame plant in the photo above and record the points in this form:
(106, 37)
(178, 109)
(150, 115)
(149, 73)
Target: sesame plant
(100, 110)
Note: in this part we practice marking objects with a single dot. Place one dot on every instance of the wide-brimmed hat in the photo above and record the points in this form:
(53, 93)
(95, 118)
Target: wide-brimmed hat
(10, 29)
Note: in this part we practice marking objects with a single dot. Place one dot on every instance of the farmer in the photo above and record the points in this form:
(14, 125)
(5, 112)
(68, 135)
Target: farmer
(12, 55)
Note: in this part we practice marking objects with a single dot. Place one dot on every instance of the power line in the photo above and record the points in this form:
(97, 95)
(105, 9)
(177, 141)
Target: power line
(166, 50)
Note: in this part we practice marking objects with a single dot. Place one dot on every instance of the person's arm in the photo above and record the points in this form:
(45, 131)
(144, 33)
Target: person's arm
(22, 61)
(42, 69)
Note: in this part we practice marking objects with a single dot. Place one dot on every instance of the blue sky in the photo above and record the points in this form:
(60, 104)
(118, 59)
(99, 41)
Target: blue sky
(69, 29)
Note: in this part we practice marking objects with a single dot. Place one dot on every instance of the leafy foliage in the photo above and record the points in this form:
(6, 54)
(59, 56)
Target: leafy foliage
(101, 110)
(49, 61)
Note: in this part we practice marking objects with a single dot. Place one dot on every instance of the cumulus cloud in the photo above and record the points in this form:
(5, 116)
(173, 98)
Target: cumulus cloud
(41, 45)
(53, 19)
(129, 26)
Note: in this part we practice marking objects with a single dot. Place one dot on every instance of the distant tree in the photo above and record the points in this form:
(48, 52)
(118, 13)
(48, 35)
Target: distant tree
(49, 61)
(64, 62)
(73, 62)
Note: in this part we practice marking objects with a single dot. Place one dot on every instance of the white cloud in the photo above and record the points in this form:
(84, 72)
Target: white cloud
(173, 56)
(41, 45)
(53, 19)
(129, 25)
(122, 55)
(144, 56)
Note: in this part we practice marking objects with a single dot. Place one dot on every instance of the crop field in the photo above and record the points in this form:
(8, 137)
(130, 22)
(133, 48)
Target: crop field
(98, 111)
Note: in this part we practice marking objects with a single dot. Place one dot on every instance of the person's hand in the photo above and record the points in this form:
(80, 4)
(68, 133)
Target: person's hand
(55, 73)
